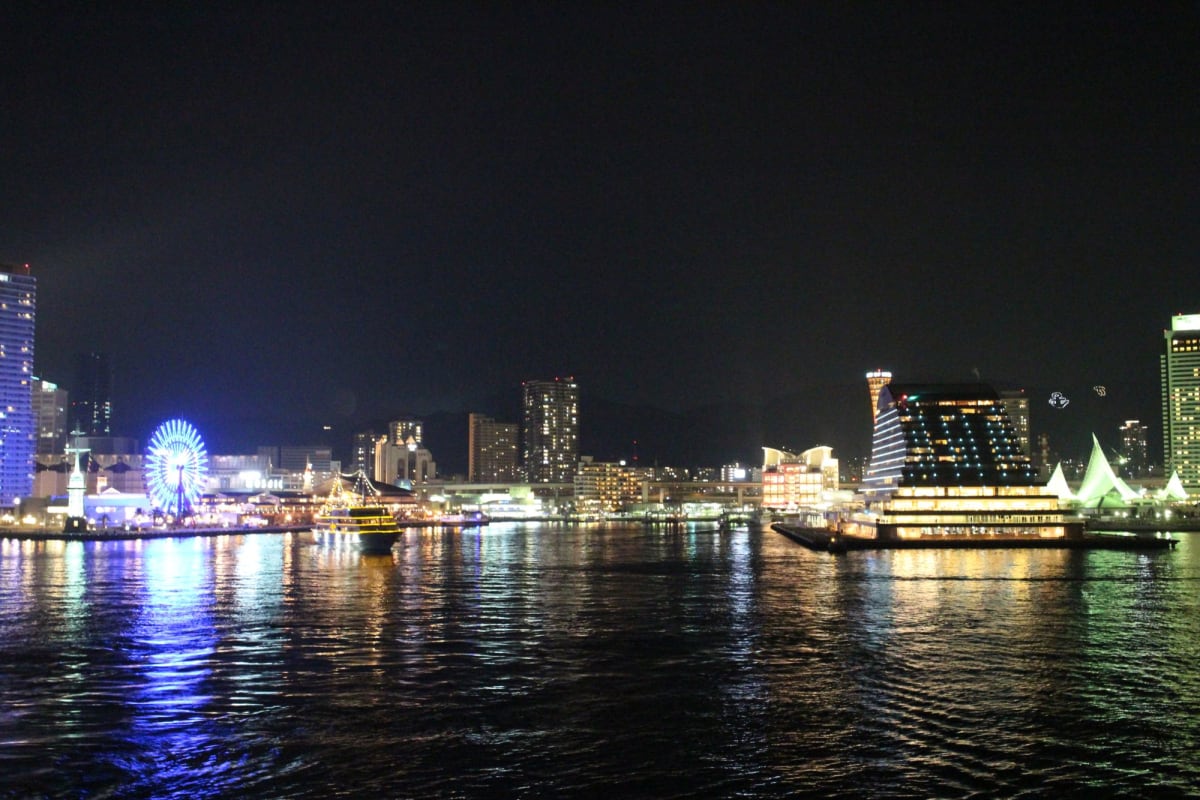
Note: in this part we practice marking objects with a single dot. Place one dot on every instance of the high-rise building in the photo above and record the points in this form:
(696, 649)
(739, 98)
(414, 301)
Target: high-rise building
(91, 406)
(1179, 367)
(1134, 452)
(492, 450)
(551, 430)
(1016, 405)
(363, 453)
(18, 426)
(876, 380)
(50, 411)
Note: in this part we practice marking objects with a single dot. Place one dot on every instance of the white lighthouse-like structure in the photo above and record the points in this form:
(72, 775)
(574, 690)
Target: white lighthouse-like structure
(76, 489)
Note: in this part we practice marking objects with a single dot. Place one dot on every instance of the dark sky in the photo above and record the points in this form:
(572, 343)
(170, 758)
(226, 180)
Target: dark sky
(344, 212)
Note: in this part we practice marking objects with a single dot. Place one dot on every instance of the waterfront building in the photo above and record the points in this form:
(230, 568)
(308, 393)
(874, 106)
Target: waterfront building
(242, 473)
(403, 463)
(551, 446)
(18, 426)
(605, 487)
(1179, 368)
(491, 450)
(101, 472)
(945, 461)
(876, 380)
(298, 467)
(50, 411)
(298, 458)
(1134, 451)
(797, 480)
(91, 396)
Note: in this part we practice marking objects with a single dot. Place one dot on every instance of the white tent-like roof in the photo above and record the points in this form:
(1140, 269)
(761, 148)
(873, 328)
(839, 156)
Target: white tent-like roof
(1173, 491)
(1101, 486)
(1058, 484)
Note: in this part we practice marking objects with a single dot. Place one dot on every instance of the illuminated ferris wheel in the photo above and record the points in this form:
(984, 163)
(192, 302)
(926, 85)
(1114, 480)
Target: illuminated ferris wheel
(175, 467)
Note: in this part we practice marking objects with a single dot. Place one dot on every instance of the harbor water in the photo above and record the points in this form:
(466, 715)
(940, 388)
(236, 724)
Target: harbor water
(532, 661)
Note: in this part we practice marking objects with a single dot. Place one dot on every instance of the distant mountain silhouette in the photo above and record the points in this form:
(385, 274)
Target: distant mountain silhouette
(837, 415)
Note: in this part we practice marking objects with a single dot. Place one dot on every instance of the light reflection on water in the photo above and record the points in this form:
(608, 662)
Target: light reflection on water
(536, 661)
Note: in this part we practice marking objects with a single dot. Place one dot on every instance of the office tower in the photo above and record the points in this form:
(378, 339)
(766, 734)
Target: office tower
(1134, 452)
(1179, 367)
(876, 380)
(492, 450)
(91, 406)
(1016, 405)
(50, 411)
(18, 426)
(551, 430)
(363, 453)
(401, 430)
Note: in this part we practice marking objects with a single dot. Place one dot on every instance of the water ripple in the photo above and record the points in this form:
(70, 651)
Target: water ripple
(527, 661)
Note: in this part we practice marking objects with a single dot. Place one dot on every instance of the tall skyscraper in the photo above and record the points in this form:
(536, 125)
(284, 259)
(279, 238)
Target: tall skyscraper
(1134, 452)
(91, 406)
(876, 380)
(18, 426)
(50, 411)
(551, 430)
(1016, 405)
(363, 454)
(1179, 367)
(492, 450)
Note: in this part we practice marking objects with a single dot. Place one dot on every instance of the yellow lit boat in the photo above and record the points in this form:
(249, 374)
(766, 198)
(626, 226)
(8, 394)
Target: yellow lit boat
(356, 520)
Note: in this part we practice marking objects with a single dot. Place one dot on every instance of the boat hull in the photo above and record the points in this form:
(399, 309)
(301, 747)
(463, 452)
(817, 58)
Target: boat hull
(376, 542)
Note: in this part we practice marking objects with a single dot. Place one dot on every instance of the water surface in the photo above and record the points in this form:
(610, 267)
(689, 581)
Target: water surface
(551, 661)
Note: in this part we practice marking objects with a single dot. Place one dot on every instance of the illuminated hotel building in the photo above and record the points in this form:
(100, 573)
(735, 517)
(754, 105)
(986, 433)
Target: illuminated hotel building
(946, 460)
(551, 430)
(876, 380)
(1180, 370)
(18, 426)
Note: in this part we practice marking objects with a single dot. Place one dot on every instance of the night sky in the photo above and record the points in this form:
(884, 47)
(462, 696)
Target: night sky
(277, 216)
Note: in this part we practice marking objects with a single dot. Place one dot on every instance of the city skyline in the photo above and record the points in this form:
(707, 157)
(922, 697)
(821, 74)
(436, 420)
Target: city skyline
(337, 215)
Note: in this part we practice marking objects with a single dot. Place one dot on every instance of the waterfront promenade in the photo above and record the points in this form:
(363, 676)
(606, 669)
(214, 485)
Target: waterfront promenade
(121, 534)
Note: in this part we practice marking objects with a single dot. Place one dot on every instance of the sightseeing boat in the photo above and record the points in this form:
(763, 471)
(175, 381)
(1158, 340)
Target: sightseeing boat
(356, 519)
